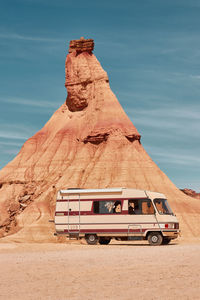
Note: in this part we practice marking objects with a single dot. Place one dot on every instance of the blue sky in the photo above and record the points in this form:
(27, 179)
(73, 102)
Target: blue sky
(150, 49)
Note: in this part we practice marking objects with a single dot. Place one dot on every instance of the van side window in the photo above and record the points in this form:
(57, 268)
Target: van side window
(133, 207)
(147, 207)
(140, 207)
(107, 207)
(117, 207)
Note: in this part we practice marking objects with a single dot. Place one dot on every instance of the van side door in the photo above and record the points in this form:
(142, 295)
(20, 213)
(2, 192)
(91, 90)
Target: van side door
(140, 216)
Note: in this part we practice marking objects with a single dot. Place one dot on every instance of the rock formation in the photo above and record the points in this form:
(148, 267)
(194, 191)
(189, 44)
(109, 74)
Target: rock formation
(191, 193)
(89, 142)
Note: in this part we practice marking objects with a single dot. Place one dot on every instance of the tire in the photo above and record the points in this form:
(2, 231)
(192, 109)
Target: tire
(155, 239)
(166, 241)
(91, 239)
(104, 241)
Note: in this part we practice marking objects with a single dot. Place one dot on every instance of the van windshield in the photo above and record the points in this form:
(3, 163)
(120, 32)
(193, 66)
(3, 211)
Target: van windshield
(163, 207)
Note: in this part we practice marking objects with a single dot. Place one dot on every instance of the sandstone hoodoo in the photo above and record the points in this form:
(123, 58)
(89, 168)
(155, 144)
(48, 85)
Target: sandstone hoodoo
(89, 142)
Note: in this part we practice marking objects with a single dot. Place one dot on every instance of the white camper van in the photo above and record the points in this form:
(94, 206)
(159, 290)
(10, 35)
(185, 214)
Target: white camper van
(98, 215)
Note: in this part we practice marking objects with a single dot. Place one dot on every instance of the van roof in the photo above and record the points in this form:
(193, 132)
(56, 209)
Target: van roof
(127, 192)
(86, 191)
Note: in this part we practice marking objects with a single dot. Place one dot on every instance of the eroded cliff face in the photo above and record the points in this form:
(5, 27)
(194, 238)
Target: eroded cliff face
(89, 142)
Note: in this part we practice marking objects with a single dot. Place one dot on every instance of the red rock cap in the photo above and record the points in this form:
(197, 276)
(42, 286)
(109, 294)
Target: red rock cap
(81, 45)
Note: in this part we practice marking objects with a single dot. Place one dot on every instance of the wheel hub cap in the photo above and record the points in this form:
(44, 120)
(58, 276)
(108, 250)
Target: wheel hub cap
(154, 239)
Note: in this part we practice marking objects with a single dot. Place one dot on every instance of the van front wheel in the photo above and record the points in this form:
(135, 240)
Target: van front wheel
(155, 239)
(104, 241)
(166, 241)
(91, 239)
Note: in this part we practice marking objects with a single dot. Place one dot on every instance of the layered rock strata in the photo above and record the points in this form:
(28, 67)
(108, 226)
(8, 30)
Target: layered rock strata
(191, 193)
(89, 142)
(81, 45)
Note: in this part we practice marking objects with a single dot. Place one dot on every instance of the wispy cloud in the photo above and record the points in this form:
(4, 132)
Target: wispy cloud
(186, 119)
(16, 131)
(16, 36)
(9, 143)
(195, 77)
(175, 158)
(11, 151)
(167, 111)
(29, 102)
(13, 135)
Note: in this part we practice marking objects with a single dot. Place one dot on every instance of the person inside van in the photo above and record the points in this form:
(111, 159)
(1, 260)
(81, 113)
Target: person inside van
(118, 207)
(131, 208)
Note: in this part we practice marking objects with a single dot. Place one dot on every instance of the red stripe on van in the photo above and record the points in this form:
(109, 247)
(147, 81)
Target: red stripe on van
(86, 213)
(96, 224)
(92, 230)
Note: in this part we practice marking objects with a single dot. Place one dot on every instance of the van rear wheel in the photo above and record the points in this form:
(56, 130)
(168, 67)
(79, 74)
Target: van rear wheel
(91, 239)
(155, 239)
(104, 241)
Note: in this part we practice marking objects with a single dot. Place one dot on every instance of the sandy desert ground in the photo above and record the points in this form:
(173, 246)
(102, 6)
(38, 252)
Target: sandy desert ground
(131, 270)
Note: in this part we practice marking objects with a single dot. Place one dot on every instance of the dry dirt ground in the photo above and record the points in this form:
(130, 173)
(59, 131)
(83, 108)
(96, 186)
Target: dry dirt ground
(131, 270)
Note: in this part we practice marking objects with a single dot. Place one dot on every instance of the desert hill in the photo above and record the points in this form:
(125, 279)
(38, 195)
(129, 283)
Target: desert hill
(89, 142)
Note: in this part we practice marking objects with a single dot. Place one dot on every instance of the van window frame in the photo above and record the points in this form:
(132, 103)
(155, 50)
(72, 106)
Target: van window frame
(119, 201)
(138, 211)
(166, 203)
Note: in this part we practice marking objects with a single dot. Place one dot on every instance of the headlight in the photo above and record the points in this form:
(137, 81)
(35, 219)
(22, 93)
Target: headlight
(167, 225)
(176, 225)
(170, 225)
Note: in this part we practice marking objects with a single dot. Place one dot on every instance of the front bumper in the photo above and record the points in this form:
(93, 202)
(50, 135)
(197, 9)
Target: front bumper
(171, 234)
